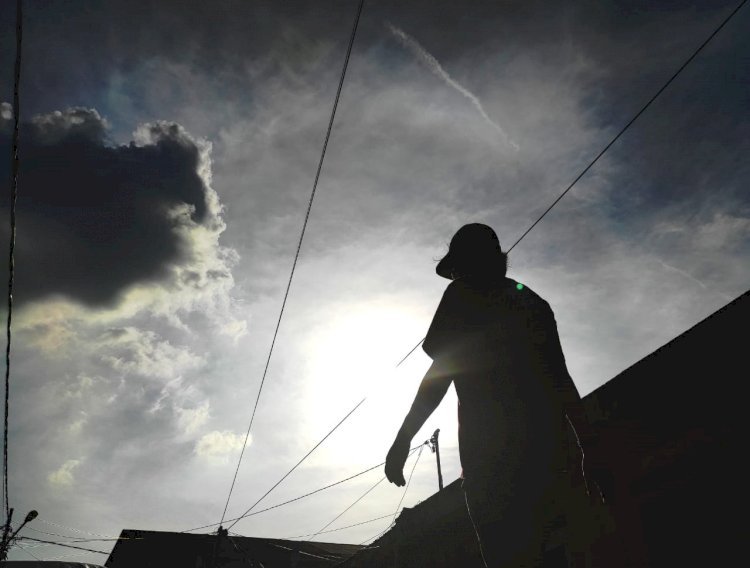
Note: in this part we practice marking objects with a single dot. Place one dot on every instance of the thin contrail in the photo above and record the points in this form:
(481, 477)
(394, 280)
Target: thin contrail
(693, 279)
(434, 65)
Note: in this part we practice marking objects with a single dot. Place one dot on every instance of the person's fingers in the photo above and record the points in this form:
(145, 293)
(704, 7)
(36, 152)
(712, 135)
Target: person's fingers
(395, 476)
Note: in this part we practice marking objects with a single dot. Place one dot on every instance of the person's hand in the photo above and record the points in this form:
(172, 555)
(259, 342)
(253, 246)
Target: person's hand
(395, 460)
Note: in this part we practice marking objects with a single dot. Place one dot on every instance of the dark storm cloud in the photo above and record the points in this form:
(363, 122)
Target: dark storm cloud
(95, 218)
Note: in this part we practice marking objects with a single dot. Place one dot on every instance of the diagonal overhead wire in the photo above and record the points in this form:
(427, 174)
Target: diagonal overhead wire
(34, 556)
(632, 120)
(299, 245)
(337, 517)
(53, 524)
(288, 473)
(341, 514)
(398, 507)
(340, 528)
(339, 482)
(416, 461)
(11, 253)
(62, 544)
(617, 136)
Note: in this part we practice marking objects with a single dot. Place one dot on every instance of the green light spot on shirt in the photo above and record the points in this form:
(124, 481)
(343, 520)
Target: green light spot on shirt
(519, 286)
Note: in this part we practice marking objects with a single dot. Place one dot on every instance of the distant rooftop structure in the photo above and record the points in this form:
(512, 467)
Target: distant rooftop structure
(154, 549)
(47, 564)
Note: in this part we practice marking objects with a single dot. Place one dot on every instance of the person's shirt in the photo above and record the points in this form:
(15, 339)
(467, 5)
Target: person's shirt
(498, 340)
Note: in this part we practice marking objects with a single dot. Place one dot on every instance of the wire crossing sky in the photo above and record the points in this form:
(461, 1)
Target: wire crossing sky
(299, 246)
(632, 120)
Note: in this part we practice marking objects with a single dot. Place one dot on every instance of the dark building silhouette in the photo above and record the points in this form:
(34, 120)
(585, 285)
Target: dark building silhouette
(676, 488)
(154, 549)
(47, 564)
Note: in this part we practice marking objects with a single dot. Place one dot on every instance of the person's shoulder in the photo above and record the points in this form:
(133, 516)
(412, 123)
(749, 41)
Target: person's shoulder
(526, 297)
(458, 286)
(458, 292)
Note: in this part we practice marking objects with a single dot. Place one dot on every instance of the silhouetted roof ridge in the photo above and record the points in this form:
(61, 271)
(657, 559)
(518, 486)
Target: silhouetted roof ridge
(685, 335)
(127, 534)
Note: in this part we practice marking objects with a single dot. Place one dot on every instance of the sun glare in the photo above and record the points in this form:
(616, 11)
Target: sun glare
(354, 355)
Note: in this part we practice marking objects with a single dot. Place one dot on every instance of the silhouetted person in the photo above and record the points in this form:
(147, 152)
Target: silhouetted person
(497, 341)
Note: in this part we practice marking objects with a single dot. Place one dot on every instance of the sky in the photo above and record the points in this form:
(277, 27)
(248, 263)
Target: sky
(168, 151)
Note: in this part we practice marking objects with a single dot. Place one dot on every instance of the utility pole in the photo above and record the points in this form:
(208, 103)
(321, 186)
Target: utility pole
(435, 447)
(9, 538)
(6, 534)
(221, 533)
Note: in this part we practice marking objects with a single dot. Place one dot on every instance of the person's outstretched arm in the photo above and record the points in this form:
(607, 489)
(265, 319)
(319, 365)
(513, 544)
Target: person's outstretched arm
(441, 340)
(431, 391)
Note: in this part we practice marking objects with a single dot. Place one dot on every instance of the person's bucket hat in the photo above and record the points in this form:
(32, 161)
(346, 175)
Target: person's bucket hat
(474, 246)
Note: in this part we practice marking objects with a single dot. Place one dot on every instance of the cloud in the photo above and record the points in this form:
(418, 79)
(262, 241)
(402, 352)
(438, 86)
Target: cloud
(219, 445)
(190, 420)
(98, 219)
(434, 66)
(724, 230)
(108, 232)
(132, 351)
(63, 477)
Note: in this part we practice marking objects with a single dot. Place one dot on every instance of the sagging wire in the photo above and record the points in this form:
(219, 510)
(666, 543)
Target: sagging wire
(302, 552)
(419, 455)
(299, 497)
(341, 514)
(79, 539)
(34, 556)
(340, 528)
(46, 522)
(403, 495)
(62, 544)
(288, 473)
(632, 120)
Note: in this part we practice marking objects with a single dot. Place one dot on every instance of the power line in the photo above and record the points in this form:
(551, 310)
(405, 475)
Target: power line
(381, 533)
(632, 120)
(80, 540)
(410, 352)
(75, 538)
(398, 507)
(403, 495)
(63, 544)
(337, 517)
(288, 473)
(12, 245)
(302, 552)
(369, 469)
(34, 556)
(299, 247)
(46, 522)
(340, 528)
